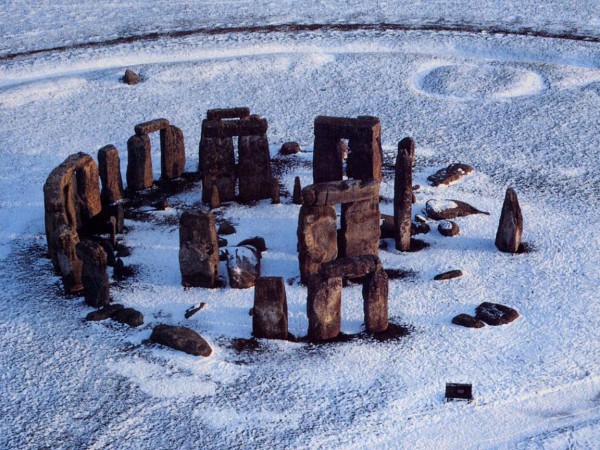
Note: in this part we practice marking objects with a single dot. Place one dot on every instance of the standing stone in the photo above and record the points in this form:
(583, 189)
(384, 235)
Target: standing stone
(365, 156)
(375, 297)
(109, 166)
(215, 200)
(172, 153)
(243, 267)
(217, 164)
(328, 159)
(275, 192)
(403, 194)
(198, 249)
(297, 194)
(270, 319)
(317, 238)
(360, 228)
(510, 227)
(139, 163)
(324, 307)
(94, 276)
(254, 168)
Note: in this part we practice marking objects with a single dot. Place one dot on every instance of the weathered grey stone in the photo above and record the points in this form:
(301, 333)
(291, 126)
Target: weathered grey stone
(217, 164)
(109, 166)
(510, 227)
(448, 275)
(403, 194)
(254, 170)
(198, 249)
(71, 199)
(375, 297)
(139, 163)
(129, 316)
(352, 267)
(324, 307)
(297, 193)
(360, 230)
(228, 113)
(94, 276)
(336, 192)
(172, 153)
(270, 318)
(104, 313)
(465, 320)
(450, 209)
(151, 126)
(130, 77)
(317, 238)
(495, 313)
(181, 338)
(290, 148)
(448, 228)
(450, 174)
(243, 266)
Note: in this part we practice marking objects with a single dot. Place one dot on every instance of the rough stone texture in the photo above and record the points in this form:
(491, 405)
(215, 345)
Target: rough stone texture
(317, 238)
(180, 338)
(336, 192)
(448, 228)
(290, 148)
(215, 200)
(324, 307)
(194, 309)
(419, 228)
(388, 228)
(297, 193)
(226, 229)
(130, 77)
(328, 159)
(198, 249)
(118, 212)
(403, 194)
(257, 242)
(375, 297)
(353, 267)
(217, 164)
(254, 169)
(450, 174)
(360, 228)
(448, 275)
(94, 277)
(151, 126)
(275, 192)
(270, 318)
(71, 199)
(243, 267)
(510, 226)
(365, 157)
(109, 166)
(139, 163)
(465, 320)
(104, 313)
(227, 113)
(495, 313)
(129, 316)
(450, 209)
(172, 153)
(249, 126)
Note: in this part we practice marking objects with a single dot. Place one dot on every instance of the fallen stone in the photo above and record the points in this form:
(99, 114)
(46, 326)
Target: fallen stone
(226, 228)
(121, 271)
(350, 267)
(194, 309)
(448, 275)
(340, 192)
(222, 243)
(182, 339)
(448, 228)
(130, 77)
(290, 148)
(129, 316)
(495, 313)
(297, 193)
(270, 313)
(450, 209)
(420, 218)
(257, 242)
(419, 228)
(243, 267)
(450, 174)
(104, 313)
(465, 320)
(510, 226)
(151, 126)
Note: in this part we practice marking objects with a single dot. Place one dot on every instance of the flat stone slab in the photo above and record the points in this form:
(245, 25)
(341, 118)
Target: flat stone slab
(495, 313)
(448, 275)
(151, 126)
(352, 267)
(249, 126)
(227, 113)
(339, 192)
(450, 174)
(450, 209)
(465, 320)
(181, 338)
(345, 127)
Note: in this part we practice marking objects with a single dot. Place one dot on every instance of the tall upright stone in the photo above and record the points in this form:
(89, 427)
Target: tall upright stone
(109, 165)
(297, 192)
(139, 163)
(510, 227)
(360, 230)
(375, 297)
(328, 165)
(317, 238)
(94, 275)
(217, 164)
(172, 153)
(198, 249)
(270, 318)
(403, 194)
(324, 307)
(254, 168)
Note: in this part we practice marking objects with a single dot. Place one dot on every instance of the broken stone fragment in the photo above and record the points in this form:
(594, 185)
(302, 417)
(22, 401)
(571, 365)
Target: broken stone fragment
(450, 174)
(510, 227)
(419, 228)
(495, 313)
(450, 209)
(129, 316)
(290, 148)
(448, 228)
(194, 309)
(226, 228)
(243, 267)
(448, 275)
(297, 193)
(104, 313)
(130, 77)
(270, 313)
(257, 242)
(465, 320)
(181, 338)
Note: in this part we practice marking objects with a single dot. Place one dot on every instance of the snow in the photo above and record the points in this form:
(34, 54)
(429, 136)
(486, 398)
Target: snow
(528, 119)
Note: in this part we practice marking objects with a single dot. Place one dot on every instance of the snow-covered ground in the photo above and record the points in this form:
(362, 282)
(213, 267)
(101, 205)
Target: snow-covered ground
(523, 111)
